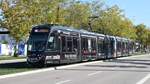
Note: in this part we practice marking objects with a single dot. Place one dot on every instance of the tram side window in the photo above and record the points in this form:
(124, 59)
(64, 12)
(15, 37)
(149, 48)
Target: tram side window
(63, 38)
(119, 46)
(69, 44)
(93, 42)
(126, 45)
(84, 44)
(100, 46)
(75, 44)
(123, 45)
(106, 44)
(112, 45)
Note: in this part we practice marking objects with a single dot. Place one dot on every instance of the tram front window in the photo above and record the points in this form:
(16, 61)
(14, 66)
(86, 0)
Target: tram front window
(36, 45)
(37, 42)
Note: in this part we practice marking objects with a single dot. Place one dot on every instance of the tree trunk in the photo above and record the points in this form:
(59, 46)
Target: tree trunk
(15, 50)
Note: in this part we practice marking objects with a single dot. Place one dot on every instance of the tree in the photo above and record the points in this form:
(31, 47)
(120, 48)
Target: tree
(113, 22)
(109, 21)
(77, 14)
(21, 15)
(142, 35)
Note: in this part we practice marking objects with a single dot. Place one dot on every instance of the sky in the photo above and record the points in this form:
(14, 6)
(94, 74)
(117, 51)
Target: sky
(136, 10)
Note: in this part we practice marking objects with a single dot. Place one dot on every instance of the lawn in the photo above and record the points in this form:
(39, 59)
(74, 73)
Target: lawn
(10, 68)
(14, 68)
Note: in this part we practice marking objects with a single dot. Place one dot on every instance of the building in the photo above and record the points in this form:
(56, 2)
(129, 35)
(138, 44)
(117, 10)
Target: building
(7, 44)
(4, 36)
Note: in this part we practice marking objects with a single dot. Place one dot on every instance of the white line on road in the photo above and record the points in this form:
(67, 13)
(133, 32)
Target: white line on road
(62, 82)
(142, 81)
(91, 74)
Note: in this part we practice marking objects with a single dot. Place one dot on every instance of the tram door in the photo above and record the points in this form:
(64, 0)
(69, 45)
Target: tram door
(101, 48)
(88, 48)
(113, 47)
(69, 49)
(92, 48)
(107, 47)
(84, 48)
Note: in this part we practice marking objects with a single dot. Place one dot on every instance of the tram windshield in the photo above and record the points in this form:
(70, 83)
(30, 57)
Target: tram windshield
(37, 42)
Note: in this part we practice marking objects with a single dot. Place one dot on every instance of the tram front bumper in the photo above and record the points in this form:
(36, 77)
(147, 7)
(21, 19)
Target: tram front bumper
(35, 59)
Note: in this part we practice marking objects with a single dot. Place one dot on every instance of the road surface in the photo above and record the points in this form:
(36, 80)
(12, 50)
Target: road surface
(127, 70)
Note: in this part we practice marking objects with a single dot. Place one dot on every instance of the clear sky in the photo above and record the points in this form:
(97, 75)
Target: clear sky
(137, 10)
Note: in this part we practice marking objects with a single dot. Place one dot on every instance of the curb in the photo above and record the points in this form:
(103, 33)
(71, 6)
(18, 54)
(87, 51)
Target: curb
(12, 61)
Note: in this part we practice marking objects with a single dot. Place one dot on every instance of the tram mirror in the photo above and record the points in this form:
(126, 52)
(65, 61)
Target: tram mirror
(51, 39)
(29, 47)
(59, 31)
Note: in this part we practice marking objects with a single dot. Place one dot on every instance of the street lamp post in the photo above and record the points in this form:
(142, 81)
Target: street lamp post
(91, 18)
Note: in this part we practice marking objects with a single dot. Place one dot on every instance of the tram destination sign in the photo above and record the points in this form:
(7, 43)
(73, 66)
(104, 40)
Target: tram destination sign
(41, 30)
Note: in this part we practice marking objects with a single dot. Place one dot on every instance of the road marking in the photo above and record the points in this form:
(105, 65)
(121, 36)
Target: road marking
(142, 81)
(91, 74)
(62, 82)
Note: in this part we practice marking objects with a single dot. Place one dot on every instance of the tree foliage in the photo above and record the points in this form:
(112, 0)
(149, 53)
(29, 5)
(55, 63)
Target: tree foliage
(143, 34)
(20, 15)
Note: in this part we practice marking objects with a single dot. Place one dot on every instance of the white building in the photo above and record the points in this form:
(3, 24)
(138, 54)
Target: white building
(7, 49)
(4, 35)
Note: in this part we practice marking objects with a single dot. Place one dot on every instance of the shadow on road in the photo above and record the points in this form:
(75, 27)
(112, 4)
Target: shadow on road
(22, 65)
(127, 65)
(130, 61)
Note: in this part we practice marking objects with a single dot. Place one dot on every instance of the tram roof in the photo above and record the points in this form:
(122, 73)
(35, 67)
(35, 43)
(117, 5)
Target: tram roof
(71, 29)
(81, 31)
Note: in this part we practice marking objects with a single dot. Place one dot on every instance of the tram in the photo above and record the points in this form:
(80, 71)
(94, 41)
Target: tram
(57, 44)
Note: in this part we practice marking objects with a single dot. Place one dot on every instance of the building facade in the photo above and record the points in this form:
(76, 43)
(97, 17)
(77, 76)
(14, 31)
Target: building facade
(7, 44)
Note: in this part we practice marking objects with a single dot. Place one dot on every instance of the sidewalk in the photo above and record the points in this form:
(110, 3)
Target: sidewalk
(12, 61)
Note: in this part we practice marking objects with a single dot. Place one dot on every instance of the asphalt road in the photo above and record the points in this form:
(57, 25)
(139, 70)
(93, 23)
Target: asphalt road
(128, 70)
